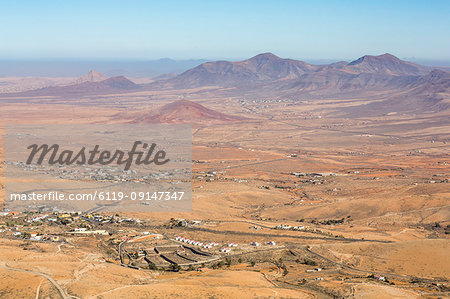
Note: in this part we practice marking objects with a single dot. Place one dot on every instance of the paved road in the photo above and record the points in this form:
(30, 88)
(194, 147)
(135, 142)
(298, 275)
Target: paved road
(120, 252)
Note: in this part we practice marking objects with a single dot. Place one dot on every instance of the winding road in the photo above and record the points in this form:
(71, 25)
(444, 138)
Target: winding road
(53, 282)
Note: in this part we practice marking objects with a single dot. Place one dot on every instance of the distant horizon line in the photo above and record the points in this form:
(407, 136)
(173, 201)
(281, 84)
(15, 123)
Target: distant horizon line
(143, 59)
(425, 61)
(150, 68)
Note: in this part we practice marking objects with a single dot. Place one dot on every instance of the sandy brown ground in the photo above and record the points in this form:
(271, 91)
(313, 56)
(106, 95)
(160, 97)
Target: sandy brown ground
(383, 166)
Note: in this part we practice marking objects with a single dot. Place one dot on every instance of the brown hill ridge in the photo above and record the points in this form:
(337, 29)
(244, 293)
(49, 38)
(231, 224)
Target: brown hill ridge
(187, 112)
(427, 94)
(111, 85)
(386, 64)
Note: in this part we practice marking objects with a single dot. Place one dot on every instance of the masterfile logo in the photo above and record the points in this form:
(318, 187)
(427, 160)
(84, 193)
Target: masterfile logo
(136, 168)
(97, 157)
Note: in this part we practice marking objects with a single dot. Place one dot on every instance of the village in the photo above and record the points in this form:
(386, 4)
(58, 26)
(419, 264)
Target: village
(132, 240)
(100, 174)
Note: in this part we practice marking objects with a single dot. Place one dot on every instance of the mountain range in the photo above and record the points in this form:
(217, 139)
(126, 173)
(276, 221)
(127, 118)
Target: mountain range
(269, 75)
(269, 68)
(421, 88)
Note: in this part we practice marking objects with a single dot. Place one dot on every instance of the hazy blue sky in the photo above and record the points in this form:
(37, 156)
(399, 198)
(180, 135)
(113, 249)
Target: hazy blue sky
(98, 29)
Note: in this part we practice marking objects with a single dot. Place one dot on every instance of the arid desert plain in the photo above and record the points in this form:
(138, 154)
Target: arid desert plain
(329, 183)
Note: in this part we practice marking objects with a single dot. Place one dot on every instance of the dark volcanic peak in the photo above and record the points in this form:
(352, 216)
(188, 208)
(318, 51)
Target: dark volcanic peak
(219, 73)
(184, 111)
(274, 67)
(386, 64)
(385, 58)
(259, 69)
(265, 57)
(120, 82)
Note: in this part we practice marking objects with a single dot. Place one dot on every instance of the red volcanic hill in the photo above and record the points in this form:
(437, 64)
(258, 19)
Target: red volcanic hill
(185, 112)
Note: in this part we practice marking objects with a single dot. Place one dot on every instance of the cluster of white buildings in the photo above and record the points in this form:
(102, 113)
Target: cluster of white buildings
(36, 236)
(196, 243)
(83, 231)
(283, 226)
(379, 277)
(256, 244)
(228, 249)
(289, 227)
(298, 228)
(210, 245)
(314, 270)
(40, 218)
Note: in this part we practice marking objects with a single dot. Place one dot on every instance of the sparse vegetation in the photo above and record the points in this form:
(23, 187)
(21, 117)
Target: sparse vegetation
(174, 267)
(309, 262)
